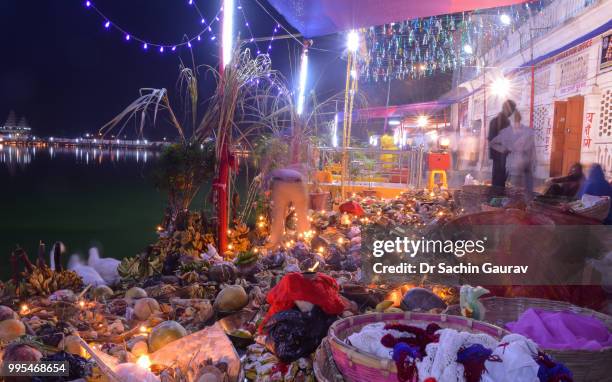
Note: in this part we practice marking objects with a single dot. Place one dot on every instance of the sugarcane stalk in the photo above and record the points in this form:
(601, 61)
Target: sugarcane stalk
(40, 262)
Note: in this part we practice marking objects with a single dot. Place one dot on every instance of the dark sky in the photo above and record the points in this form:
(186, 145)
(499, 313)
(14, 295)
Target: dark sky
(69, 75)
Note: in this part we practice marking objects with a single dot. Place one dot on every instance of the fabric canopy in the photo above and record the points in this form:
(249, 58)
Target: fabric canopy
(320, 17)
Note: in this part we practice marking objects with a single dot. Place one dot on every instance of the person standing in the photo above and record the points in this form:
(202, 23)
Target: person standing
(518, 145)
(499, 123)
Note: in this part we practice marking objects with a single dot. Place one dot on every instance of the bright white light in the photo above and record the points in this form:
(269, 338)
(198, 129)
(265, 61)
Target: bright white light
(422, 121)
(500, 87)
(352, 41)
(467, 48)
(228, 30)
(302, 85)
(444, 142)
(374, 140)
(335, 131)
(394, 122)
(353, 74)
(505, 19)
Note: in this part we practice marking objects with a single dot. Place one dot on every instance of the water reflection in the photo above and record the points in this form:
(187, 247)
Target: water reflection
(20, 155)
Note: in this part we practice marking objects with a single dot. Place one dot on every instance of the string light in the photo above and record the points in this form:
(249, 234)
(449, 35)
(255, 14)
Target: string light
(162, 47)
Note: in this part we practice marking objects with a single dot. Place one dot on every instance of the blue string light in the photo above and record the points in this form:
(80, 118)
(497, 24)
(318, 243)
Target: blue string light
(161, 47)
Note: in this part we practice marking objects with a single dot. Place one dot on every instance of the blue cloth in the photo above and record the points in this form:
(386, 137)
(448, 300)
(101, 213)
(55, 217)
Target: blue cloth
(597, 185)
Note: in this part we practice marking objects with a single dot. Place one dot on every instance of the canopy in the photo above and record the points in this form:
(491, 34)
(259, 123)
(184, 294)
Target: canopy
(320, 17)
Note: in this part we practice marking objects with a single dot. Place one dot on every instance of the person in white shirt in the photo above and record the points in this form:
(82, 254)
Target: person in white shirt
(519, 143)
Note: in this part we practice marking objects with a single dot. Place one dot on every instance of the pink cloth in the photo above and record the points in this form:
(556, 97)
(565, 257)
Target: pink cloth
(562, 330)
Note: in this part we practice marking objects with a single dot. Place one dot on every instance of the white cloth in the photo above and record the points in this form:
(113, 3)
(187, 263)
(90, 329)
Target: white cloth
(441, 359)
(517, 354)
(518, 361)
(368, 339)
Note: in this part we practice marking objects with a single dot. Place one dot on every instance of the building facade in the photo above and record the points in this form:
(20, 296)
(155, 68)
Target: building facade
(559, 69)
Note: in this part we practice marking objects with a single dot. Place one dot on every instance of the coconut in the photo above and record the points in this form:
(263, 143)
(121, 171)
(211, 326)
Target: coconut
(11, 329)
(71, 344)
(145, 307)
(102, 292)
(20, 353)
(210, 374)
(222, 272)
(164, 333)
(140, 348)
(421, 299)
(7, 313)
(135, 293)
(231, 298)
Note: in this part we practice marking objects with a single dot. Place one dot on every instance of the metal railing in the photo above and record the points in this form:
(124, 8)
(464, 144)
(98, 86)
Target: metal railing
(373, 165)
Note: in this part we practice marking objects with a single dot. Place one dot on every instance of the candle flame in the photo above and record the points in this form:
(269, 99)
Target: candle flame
(314, 267)
(144, 361)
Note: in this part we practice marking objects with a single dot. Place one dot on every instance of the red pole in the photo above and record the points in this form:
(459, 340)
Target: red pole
(532, 96)
(221, 184)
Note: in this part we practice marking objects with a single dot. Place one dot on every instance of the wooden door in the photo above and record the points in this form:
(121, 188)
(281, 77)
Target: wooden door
(558, 139)
(573, 135)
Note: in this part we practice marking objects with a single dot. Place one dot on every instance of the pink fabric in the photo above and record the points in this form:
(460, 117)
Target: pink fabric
(562, 330)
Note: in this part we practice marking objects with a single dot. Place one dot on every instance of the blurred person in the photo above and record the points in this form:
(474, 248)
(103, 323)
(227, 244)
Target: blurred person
(287, 188)
(518, 144)
(566, 186)
(496, 126)
(597, 185)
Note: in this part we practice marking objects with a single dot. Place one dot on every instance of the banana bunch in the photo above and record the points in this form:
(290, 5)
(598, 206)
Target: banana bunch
(190, 277)
(200, 291)
(239, 238)
(136, 268)
(43, 281)
(199, 267)
(246, 258)
(161, 290)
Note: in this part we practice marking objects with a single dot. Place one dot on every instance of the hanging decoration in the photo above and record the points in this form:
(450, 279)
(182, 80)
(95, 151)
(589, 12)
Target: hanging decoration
(422, 47)
(188, 42)
(159, 46)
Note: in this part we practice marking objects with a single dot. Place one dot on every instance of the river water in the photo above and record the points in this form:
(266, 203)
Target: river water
(82, 197)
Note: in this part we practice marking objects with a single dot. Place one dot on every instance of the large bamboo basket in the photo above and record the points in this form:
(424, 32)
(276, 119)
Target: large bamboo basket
(358, 366)
(587, 366)
(472, 197)
(599, 211)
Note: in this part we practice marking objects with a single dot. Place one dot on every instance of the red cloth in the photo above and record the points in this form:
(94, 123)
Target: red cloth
(352, 207)
(321, 290)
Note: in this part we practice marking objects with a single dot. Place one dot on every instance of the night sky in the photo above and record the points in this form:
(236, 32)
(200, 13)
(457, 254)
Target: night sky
(69, 75)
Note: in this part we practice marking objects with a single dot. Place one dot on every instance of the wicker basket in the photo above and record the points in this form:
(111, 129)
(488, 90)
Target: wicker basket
(357, 365)
(471, 198)
(598, 211)
(587, 366)
(324, 366)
